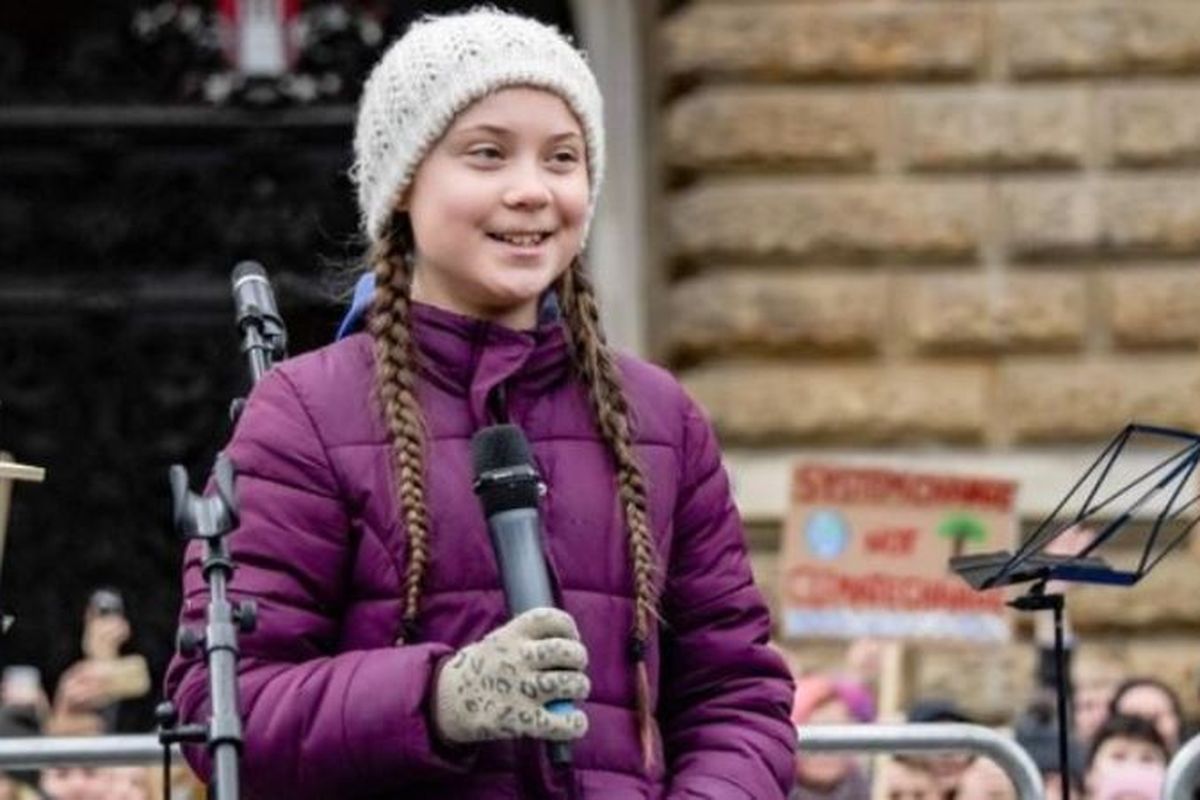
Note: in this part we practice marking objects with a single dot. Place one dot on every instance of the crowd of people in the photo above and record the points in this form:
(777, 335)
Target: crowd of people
(87, 700)
(1122, 755)
(1123, 730)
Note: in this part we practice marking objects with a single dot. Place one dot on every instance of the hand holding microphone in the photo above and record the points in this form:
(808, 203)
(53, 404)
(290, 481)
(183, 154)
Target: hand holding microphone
(538, 654)
(498, 688)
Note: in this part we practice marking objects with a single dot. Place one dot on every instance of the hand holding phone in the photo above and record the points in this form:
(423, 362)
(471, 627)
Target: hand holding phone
(105, 627)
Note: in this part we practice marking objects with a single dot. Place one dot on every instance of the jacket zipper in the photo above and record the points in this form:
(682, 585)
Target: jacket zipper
(497, 404)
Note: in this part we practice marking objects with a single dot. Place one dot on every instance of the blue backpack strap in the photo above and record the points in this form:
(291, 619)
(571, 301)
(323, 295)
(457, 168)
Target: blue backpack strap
(364, 291)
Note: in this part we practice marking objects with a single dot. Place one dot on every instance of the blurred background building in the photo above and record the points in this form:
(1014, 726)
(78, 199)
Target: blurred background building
(956, 234)
(952, 234)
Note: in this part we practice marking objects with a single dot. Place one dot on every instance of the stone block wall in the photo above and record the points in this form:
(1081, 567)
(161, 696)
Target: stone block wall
(969, 224)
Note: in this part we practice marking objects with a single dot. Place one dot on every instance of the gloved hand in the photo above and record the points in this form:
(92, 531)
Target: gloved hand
(498, 687)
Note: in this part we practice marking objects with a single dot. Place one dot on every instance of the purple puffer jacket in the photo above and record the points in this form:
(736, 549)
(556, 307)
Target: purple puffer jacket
(334, 709)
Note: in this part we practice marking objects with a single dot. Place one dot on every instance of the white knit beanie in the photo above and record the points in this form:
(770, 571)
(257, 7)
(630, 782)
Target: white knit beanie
(437, 69)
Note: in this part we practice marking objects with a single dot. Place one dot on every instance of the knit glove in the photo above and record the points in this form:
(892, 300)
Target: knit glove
(498, 687)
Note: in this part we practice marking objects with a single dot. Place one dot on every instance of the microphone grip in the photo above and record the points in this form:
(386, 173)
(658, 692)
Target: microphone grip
(520, 559)
(526, 581)
(560, 752)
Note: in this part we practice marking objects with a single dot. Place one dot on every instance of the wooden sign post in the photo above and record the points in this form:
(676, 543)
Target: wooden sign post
(9, 473)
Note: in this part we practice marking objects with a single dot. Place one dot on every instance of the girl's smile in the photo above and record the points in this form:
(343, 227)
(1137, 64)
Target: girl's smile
(522, 244)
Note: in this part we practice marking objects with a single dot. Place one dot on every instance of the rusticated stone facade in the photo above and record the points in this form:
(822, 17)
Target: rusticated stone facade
(960, 224)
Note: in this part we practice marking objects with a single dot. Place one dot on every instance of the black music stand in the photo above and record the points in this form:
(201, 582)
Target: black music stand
(1156, 493)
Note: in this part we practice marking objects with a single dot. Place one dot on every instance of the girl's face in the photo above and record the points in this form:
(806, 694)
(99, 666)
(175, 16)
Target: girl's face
(498, 206)
(1120, 750)
(1122, 755)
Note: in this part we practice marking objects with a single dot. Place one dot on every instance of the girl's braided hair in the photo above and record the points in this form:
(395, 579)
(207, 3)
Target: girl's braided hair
(396, 370)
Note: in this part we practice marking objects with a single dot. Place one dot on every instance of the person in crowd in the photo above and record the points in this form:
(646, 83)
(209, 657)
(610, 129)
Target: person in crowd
(1094, 684)
(13, 789)
(90, 692)
(1128, 755)
(828, 700)
(985, 780)
(384, 662)
(946, 768)
(23, 707)
(1036, 731)
(96, 783)
(1153, 700)
(130, 783)
(184, 785)
(905, 779)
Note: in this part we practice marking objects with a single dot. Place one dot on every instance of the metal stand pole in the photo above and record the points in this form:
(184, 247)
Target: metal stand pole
(209, 518)
(1038, 600)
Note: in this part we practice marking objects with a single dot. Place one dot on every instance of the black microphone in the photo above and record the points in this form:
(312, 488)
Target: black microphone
(255, 304)
(508, 486)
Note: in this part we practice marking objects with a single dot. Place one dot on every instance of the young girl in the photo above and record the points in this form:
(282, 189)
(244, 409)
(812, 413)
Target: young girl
(384, 663)
(1127, 759)
(828, 700)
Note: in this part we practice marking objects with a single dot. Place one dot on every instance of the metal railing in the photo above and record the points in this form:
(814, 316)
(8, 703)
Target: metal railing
(48, 751)
(929, 738)
(37, 752)
(1183, 771)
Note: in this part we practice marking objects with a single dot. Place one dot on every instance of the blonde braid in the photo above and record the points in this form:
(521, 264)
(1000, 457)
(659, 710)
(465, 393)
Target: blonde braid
(395, 375)
(598, 370)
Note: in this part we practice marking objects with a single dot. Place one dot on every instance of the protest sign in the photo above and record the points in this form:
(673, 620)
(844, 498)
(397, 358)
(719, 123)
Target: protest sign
(865, 553)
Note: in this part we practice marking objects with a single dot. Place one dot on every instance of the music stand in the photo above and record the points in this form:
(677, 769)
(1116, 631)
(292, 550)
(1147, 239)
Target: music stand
(1162, 483)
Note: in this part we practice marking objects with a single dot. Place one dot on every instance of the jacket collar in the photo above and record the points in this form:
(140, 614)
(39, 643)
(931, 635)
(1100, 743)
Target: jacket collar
(471, 357)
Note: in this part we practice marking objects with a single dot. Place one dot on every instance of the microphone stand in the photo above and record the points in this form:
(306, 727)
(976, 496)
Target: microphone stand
(1038, 599)
(261, 351)
(264, 339)
(209, 519)
(257, 350)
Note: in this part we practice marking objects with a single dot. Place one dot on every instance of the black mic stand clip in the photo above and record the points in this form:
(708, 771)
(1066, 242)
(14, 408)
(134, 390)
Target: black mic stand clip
(262, 349)
(264, 337)
(1037, 599)
(208, 519)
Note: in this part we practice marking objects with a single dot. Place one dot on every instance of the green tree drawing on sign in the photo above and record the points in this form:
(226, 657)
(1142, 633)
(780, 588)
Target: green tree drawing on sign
(961, 528)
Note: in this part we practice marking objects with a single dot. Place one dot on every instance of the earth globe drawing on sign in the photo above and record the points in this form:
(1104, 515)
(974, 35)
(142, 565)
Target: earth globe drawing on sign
(826, 533)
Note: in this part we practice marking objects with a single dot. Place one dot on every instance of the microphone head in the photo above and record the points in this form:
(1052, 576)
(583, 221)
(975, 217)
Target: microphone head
(254, 302)
(499, 447)
(505, 475)
(247, 269)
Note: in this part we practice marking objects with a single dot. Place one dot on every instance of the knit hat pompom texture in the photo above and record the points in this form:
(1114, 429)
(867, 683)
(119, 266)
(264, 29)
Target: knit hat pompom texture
(439, 67)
